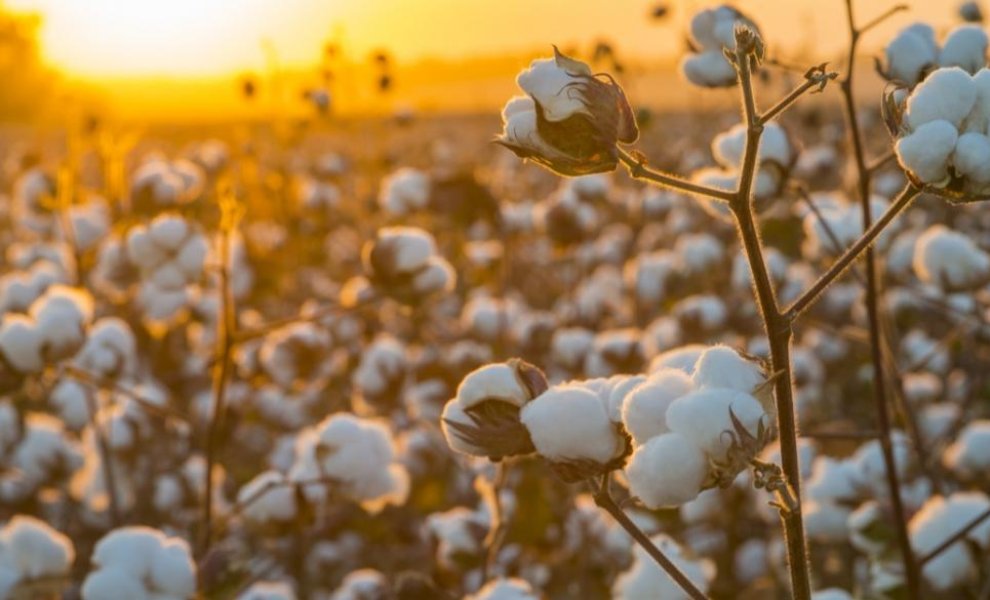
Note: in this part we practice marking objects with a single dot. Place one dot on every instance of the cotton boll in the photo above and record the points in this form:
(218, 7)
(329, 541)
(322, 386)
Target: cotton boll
(646, 580)
(723, 367)
(708, 69)
(969, 455)
(979, 118)
(668, 470)
(21, 343)
(832, 480)
(404, 191)
(35, 549)
(571, 423)
(645, 408)
(911, 52)
(928, 529)
(546, 83)
(172, 569)
(950, 259)
(972, 157)
(825, 522)
(926, 151)
(966, 48)
(704, 416)
(870, 464)
(570, 345)
(947, 94)
(499, 381)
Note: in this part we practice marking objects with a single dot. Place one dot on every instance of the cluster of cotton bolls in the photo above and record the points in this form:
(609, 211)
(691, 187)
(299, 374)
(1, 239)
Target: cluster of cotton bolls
(433, 353)
(712, 32)
(941, 128)
(914, 52)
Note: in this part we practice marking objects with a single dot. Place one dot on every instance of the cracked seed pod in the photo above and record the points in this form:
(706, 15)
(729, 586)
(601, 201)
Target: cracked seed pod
(402, 262)
(571, 119)
(483, 419)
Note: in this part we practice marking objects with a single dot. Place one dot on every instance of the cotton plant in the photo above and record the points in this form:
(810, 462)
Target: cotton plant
(159, 183)
(31, 551)
(646, 580)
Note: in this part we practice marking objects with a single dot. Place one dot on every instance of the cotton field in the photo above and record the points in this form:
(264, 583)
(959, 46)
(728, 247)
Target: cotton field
(576, 350)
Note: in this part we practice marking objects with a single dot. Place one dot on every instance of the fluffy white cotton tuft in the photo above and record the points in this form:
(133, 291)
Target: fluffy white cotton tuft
(668, 470)
(571, 423)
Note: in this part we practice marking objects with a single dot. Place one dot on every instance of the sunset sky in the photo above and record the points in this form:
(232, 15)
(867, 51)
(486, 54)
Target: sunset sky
(97, 39)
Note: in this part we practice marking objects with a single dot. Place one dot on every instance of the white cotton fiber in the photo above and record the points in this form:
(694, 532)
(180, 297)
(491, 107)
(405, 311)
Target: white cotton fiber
(946, 94)
(666, 471)
(926, 151)
(703, 417)
(570, 422)
(966, 48)
(645, 408)
(911, 52)
(972, 157)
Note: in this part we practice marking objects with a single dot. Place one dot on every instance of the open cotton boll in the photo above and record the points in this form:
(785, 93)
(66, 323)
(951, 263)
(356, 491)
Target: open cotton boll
(971, 158)
(382, 365)
(503, 588)
(911, 52)
(268, 497)
(950, 259)
(358, 454)
(404, 191)
(571, 423)
(140, 559)
(704, 416)
(966, 48)
(928, 529)
(412, 247)
(832, 480)
(969, 455)
(498, 381)
(871, 467)
(61, 316)
(361, 584)
(644, 409)
(947, 94)
(21, 343)
(668, 470)
(546, 83)
(34, 548)
(825, 522)
(723, 367)
(708, 69)
(926, 151)
(646, 580)
(570, 345)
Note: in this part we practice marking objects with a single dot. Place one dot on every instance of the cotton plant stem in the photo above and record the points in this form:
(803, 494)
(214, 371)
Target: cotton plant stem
(778, 331)
(499, 527)
(226, 335)
(880, 391)
(109, 476)
(603, 498)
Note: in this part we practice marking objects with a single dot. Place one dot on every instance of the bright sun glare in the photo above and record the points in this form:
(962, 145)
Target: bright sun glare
(99, 38)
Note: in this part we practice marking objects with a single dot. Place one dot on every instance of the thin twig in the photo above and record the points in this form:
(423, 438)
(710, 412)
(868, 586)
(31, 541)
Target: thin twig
(109, 477)
(638, 170)
(226, 333)
(499, 527)
(901, 202)
(603, 498)
(815, 77)
(955, 537)
(878, 163)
